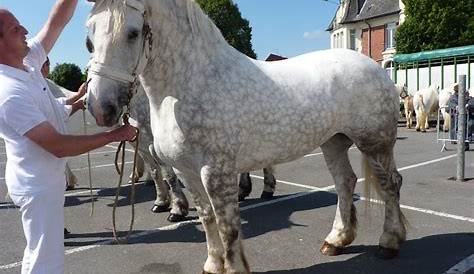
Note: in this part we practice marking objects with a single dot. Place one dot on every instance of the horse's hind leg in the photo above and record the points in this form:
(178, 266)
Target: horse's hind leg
(269, 183)
(344, 228)
(382, 170)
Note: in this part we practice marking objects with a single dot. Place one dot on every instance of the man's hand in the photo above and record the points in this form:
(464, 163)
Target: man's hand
(82, 90)
(77, 96)
(124, 133)
(79, 104)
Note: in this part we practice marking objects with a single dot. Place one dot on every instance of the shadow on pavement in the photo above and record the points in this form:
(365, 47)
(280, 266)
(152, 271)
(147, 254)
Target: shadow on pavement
(428, 255)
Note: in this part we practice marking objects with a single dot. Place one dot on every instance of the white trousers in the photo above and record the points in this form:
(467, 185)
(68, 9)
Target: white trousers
(42, 215)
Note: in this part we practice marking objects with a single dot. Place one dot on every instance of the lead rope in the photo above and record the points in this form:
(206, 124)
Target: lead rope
(88, 153)
(88, 165)
(121, 149)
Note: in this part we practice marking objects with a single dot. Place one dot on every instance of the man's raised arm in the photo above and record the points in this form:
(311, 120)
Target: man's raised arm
(58, 18)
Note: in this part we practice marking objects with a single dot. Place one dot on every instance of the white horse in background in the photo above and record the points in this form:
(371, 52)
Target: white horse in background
(407, 103)
(444, 96)
(425, 102)
(216, 113)
(58, 91)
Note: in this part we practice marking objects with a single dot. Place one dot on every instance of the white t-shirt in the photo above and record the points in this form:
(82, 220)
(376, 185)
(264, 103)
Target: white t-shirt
(25, 102)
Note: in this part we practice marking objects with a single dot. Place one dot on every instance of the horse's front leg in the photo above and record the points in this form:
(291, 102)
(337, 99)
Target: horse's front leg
(215, 252)
(407, 113)
(136, 174)
(245, 185)
(179, 203)
(223, 192)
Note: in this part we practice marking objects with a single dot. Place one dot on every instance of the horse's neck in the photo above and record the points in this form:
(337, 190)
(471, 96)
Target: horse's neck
(184, 41)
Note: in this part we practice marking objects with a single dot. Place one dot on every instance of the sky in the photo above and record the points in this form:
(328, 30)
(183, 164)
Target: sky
(284, 27)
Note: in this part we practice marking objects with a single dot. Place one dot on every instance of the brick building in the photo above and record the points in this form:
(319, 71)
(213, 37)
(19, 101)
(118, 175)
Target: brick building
(368, 26)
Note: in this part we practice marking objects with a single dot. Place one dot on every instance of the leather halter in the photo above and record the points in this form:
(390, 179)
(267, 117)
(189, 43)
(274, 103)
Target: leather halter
(404, 91)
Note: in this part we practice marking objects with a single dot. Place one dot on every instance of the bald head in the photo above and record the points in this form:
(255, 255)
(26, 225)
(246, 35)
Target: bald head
(3, 13)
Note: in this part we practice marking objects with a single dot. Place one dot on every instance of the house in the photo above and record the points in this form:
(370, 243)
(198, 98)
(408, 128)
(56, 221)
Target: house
(275, 57)
(368, 26)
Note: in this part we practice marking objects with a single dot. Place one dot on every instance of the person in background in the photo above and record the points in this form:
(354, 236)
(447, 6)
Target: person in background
(32, 126)
(454, 110)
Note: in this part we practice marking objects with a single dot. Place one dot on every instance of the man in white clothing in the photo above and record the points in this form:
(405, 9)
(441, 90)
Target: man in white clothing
(32, 125)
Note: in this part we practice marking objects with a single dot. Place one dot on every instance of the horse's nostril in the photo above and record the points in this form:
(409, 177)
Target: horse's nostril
(110, 110)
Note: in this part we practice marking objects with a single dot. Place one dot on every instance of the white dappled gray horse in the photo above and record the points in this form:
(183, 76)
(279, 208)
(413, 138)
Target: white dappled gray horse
(216, 113)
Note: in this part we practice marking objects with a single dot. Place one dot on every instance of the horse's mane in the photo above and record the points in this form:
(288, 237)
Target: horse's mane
(117, 8)
(199, 23)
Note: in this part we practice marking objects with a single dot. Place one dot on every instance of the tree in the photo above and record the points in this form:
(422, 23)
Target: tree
(67, 75)
(436, 24)
(235, 29)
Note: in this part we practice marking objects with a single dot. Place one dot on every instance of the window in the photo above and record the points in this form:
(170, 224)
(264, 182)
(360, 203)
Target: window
(390, 36)
(389, 69)
(338, 40)
(352, 37)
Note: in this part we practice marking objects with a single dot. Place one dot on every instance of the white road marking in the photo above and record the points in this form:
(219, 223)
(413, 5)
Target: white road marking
(463, 266)
(426, 211)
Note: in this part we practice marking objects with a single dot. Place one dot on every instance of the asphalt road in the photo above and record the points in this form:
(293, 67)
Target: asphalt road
(282, 235)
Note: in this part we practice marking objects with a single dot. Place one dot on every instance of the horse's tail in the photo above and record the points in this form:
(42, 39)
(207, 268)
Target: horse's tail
(422, 104)
(371, 182)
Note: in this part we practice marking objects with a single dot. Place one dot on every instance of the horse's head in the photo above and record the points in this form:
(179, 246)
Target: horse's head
(402, 90)
(119, 41)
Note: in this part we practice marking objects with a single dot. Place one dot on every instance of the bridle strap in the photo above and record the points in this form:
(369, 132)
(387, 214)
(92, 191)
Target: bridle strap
(107, 72)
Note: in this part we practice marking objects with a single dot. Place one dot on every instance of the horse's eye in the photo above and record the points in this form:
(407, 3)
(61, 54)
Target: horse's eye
(89, 45)
(133, 34)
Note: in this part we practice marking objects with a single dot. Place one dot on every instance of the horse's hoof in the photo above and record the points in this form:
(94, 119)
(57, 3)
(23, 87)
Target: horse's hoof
(386, 253)
(417, 129)
(159, 208)
(70, 187)
(424, 131)
(266, 195)
(330, 250)
(175, 218)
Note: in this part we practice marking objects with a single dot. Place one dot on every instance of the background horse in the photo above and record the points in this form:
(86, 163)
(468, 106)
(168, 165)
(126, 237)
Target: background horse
(407, 103)
(216, 113)
(58, 91)
(425, 102)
